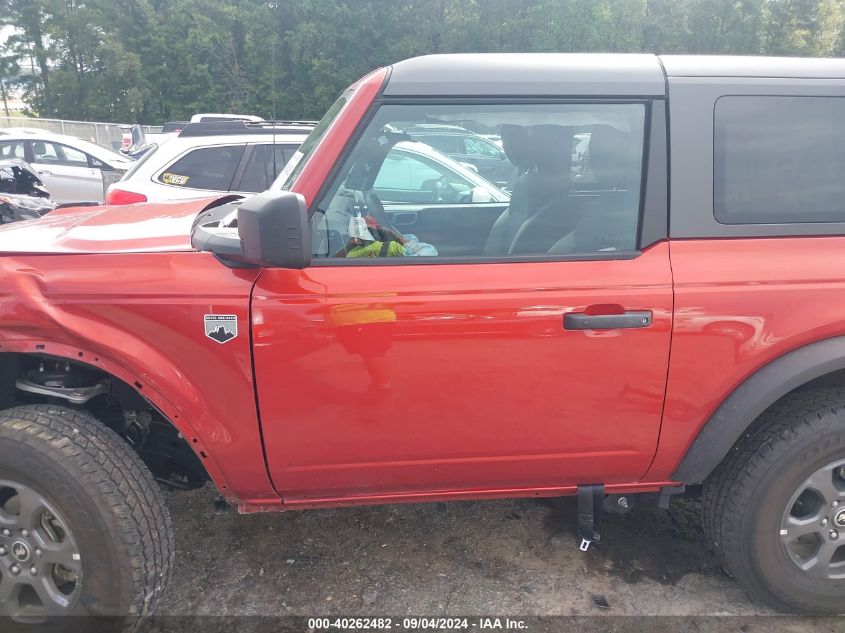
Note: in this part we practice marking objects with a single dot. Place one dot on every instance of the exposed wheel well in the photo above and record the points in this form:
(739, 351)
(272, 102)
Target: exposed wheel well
(44, 379)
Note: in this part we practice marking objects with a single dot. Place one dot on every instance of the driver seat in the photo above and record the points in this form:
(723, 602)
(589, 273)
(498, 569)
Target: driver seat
(542, 153)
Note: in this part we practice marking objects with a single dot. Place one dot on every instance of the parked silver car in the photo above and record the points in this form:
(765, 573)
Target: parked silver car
(70, 168)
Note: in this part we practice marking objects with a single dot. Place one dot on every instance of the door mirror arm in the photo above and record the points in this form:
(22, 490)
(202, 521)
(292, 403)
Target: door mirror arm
(272, 230)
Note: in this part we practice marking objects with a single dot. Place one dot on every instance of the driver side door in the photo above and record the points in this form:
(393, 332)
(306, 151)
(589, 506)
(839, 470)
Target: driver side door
(408, 378)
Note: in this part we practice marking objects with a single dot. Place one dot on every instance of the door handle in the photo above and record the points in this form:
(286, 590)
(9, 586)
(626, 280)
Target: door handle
(405, 218)
(629, 319)
(44, 172)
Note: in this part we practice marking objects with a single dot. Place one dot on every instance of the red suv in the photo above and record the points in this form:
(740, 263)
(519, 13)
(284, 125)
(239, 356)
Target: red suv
(660, 318)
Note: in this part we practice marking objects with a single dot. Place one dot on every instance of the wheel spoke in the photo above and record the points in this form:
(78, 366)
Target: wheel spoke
(53, 600)
(796, 528)
(61, 554)
(819, 565)
(9, 590)
(31, 509)
(7, 520)
(822, 482)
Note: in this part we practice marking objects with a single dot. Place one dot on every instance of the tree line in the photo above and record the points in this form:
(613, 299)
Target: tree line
(150, 61)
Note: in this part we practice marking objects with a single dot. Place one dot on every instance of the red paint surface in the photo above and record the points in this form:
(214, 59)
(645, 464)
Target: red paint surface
(106, 229)
(140, 317)
(740, 304)
(413, 379)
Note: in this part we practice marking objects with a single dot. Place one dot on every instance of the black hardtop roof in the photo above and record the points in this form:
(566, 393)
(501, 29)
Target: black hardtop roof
(527, 74)
(585, 74)
(753, 67)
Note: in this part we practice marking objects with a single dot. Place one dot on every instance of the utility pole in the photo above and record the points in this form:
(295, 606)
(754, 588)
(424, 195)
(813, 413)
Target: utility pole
(5, 103)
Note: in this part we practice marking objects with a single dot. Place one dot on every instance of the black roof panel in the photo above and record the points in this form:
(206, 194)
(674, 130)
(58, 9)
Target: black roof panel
(527, 74)
(753, 67)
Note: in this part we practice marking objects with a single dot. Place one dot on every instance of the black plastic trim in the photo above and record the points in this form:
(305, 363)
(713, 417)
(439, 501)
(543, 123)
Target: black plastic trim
(751, 398)
(626, 320)
(432, 261)
(654, 214)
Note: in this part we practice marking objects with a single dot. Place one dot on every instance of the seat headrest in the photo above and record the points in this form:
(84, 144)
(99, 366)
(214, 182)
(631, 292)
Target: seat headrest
(610, 155)
(517, 145)
(551, 146)
(39, 148)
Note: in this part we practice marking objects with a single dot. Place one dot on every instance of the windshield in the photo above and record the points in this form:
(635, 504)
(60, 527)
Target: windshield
(291, 170)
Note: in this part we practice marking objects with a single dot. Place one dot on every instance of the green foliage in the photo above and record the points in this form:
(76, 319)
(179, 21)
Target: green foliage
(155, 60)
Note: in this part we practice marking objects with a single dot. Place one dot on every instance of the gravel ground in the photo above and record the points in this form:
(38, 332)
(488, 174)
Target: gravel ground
(498, 558)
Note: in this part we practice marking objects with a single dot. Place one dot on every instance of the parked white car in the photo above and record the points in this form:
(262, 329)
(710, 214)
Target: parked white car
(208, 158)
(70, 168)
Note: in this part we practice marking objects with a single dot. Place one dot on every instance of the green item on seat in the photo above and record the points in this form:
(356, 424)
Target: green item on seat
(374, 249)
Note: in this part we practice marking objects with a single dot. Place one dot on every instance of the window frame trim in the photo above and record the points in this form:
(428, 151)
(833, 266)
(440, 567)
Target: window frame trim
(652, 159)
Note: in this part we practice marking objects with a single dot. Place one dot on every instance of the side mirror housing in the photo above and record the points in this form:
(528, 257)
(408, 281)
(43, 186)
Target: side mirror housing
(274, 230)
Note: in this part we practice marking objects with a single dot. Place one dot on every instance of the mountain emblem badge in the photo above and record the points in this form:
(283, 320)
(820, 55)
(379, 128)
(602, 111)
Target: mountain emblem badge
(221, 327)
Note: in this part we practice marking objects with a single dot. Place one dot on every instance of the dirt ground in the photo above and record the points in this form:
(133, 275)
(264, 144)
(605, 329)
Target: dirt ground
(497, 558)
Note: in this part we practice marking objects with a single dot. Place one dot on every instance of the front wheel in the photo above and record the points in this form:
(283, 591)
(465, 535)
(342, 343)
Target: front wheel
(775, 507)
(83, 526)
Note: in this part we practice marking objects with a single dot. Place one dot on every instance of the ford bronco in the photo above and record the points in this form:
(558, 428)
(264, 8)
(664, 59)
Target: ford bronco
(661, 317)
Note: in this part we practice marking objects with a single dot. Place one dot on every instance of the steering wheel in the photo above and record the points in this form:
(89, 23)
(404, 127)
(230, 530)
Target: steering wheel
(376, 209)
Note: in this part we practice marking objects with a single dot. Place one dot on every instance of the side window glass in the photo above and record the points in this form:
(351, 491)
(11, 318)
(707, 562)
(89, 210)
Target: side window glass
(481, 147)
(263, 166)
(11, 149)
(256, 172)
(409, 174)
(47, 153)
(448, 144)
(283, 155)
(73, 157)
(566, 182)
(209, 168)
(779, 160)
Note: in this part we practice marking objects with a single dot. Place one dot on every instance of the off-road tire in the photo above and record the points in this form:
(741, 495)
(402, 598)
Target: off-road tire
(108, 497)
(745, 497)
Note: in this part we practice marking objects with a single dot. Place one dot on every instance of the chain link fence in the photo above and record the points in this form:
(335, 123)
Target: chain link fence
(105, 134)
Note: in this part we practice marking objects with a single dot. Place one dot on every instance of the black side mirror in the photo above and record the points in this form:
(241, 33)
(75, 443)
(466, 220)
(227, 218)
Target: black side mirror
(272, 231)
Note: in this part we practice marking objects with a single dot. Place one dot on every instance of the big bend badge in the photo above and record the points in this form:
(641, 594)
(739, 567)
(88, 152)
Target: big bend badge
(221, 327)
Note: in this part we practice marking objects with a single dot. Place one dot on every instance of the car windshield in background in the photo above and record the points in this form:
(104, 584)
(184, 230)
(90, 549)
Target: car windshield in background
(298, 160)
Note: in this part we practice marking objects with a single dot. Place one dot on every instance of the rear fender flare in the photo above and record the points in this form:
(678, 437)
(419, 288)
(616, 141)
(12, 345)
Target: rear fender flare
(756, 393)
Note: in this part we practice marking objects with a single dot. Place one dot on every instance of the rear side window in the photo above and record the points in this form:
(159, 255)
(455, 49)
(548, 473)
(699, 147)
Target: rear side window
(11, 149)
(263, 165)
(779, 160)
(204, 168)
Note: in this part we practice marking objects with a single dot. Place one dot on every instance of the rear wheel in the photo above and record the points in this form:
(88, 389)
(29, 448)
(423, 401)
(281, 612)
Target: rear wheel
(775, 507)
(83, 527)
